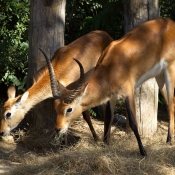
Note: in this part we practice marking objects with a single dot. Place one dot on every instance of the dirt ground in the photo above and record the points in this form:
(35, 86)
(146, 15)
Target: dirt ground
(18, 158)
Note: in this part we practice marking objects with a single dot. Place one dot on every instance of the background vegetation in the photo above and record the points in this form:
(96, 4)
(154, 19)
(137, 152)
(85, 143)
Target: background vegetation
(81, 17)
(14, 22)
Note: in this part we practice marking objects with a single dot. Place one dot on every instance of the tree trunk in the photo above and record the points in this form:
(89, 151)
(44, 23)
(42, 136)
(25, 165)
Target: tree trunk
(47, 23)
(146, 96)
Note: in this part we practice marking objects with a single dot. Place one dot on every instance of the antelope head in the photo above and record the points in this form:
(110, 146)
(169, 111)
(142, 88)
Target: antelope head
(66, 101)
(12, 112)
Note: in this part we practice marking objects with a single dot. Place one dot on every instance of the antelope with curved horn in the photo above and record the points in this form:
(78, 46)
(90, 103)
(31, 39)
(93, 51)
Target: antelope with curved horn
(86, 49)
(146, 51)
(69, 95)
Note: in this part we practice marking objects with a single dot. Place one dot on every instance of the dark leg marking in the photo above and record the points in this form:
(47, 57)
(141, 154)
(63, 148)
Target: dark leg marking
(168, 136)
(108, 118)
(133, 126)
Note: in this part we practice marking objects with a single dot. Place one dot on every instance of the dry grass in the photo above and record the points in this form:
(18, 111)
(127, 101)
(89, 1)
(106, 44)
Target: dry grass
(36, 155)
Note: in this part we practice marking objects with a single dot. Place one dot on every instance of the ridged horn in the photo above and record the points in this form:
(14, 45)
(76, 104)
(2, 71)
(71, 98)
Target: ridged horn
(72, 96)
(53, 81)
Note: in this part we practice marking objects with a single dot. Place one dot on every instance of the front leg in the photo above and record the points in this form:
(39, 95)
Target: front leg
(108, 119)
(87, 118)
(133, 125)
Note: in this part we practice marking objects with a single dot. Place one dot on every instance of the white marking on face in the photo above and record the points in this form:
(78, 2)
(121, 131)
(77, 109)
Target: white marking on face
(156, 70)
(63, 131)
(7, 131)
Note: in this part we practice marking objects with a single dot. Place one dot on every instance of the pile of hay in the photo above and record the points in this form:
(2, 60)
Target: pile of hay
(39, 155)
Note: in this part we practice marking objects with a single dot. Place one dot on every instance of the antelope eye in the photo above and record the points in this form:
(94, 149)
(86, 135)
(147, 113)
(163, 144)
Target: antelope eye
(69, 110)
(8, 115)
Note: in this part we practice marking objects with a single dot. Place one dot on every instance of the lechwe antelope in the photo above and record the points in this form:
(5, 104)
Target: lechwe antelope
(144, 52)
(86, 49)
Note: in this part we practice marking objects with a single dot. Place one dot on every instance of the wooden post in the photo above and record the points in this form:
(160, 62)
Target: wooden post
(146, 96)
(47, 24)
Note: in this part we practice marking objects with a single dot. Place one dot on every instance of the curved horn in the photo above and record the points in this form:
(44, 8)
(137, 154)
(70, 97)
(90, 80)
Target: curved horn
(53, 81)
(72, 96)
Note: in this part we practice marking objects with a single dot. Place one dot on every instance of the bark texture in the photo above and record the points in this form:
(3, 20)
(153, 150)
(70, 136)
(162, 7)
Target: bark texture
(47, 24)
(146, 96)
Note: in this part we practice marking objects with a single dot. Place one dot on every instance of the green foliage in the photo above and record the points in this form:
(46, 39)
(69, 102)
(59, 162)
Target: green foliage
(120, 107)
(85, 16)
(161, 100)
(167, 9)
(92, 112)
(108, 19)
(14, 22)
(96, 112)
(77, 11)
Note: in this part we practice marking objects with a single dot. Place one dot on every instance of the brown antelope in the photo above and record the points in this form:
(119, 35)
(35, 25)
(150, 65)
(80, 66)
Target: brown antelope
(146, 51)
(86, 49)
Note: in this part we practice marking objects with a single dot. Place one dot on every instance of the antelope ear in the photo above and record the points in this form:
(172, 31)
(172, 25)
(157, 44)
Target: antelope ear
(85, 89)
(11, 92)
(83, 92)
(22, 99)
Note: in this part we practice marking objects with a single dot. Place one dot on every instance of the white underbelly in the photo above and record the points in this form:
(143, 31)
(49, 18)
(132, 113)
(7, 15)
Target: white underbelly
(156, 70)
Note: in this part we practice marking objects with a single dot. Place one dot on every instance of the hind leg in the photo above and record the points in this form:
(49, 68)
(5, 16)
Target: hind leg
(170, 74)
(170, 136)
(162, 87)
(167, 90)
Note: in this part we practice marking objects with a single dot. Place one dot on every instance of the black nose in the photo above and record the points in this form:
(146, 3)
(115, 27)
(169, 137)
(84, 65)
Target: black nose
(1, 133)
(57, 130)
